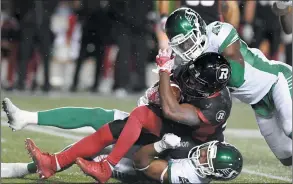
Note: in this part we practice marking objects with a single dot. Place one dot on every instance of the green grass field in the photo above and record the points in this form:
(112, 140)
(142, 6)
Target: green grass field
(260, 165)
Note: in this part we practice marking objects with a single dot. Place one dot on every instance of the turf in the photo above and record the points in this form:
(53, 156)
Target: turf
(257, 156)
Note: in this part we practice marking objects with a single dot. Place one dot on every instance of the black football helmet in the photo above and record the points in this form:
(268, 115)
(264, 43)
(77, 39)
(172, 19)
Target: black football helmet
(204, 76)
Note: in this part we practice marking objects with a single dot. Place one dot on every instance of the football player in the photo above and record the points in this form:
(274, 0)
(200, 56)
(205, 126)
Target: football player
(212, 160)
(264, 84)
(203, 163)
(210, 10)
(204, 107)
(283, 9)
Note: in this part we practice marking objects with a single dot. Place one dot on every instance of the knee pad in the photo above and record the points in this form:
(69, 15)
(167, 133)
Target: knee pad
(286, 161)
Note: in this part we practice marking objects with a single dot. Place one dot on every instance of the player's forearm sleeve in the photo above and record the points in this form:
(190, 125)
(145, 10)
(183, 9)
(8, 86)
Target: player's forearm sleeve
(75, 117)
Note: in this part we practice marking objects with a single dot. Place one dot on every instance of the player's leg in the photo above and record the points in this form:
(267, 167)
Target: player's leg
(279, 143)
(141, 117)
(87, 147)
(281, 94)
(124, 170)
(18, 170)
(66, 117)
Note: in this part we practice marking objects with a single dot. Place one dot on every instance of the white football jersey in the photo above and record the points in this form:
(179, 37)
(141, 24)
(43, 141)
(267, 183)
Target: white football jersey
(252, 82)
(183, 171)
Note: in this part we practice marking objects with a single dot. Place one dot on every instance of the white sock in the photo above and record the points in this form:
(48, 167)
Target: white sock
(58, 168)
(24, 168)
(111, 166)
(159, 147)
(30, 117)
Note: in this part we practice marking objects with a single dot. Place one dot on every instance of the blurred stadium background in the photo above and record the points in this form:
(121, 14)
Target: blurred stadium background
(39, 73)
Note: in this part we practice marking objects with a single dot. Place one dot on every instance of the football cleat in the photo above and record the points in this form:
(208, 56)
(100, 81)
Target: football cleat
(14, 115)
(100, 171)
(13, 170)
(44, 161)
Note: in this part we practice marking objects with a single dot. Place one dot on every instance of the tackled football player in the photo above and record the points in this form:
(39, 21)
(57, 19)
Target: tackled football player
(204, 87)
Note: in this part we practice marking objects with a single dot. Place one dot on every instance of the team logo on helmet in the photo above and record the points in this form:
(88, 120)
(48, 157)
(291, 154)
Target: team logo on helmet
(223, 73)
(191, 17)
(227, 173)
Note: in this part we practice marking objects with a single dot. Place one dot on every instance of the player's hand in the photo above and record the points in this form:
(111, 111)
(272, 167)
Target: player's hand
(171, 141)
(281, 8)
(165, 60)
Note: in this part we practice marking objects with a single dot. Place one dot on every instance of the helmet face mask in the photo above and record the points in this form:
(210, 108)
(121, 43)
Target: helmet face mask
(218, 160)
(186, 31)
(204, 166)
(189, 46)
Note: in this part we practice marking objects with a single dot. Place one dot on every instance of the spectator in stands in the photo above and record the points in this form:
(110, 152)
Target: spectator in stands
(130, 35)
(262, 24)
(9, 40)
(96, 27)
(35, 28)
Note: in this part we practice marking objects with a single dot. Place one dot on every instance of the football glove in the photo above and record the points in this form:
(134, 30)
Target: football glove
(165, 60)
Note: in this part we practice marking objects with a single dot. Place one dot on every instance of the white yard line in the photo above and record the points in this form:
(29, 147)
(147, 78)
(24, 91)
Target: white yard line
(55, 132)
(50, 132)
(266, 175)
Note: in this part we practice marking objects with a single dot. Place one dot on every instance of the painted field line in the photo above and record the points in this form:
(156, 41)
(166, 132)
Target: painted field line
(266, 175)
(76, 138)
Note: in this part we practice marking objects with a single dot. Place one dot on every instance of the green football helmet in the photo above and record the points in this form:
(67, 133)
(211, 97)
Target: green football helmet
(186, 31)
(223, 161)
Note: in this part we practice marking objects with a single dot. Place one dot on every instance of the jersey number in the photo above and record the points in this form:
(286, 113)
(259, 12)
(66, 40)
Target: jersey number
(202, 2)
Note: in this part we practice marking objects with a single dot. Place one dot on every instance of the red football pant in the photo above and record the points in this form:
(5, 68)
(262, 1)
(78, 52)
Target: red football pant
(86, 147)
(140, 117)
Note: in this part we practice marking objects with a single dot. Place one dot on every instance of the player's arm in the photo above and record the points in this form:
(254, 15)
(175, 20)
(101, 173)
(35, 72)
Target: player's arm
(285, 15)
(229, 43)
(182, 113)
(230, 11)
(144, 159)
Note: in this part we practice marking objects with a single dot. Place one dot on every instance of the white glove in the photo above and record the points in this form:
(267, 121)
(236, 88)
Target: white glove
(169, 141)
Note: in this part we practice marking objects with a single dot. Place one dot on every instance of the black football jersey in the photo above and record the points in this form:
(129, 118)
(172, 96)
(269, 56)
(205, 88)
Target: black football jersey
(209, 10)
(212, 111)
